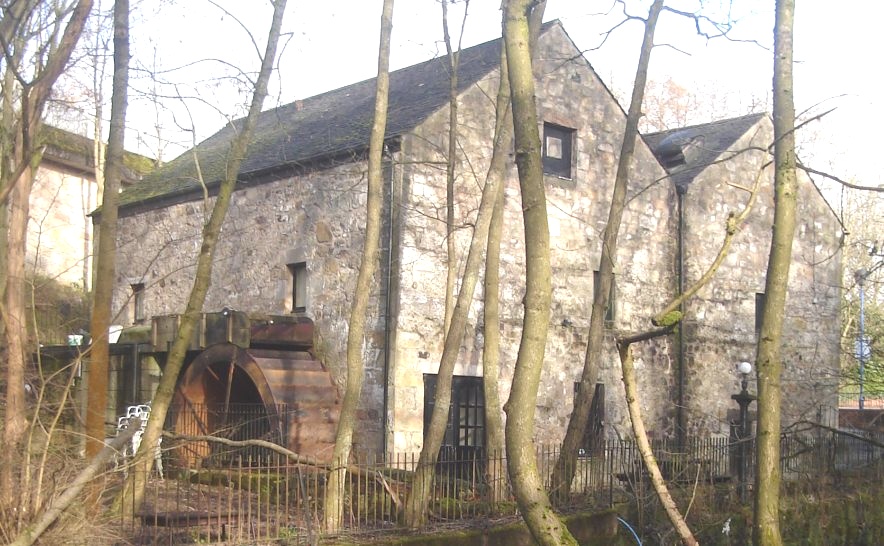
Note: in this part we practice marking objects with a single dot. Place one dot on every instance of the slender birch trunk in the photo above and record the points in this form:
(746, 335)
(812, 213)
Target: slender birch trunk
(107, 241)
(528, 487)
(494, 434)
(641, 436)
(451, 175)
(335, 491)
(563, 472)
(418, 499)
(769, 365)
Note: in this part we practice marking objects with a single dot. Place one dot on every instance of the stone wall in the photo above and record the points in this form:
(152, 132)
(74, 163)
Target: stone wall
(720, 320)
(317, 218)
(570, 95)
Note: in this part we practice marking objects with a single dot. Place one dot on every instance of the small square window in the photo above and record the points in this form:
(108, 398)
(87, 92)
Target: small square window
(138, 303)
(298, 275)
(557, 145)
(609, 312)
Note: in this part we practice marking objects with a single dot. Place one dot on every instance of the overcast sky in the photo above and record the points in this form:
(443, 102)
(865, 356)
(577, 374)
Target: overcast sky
(334, 42)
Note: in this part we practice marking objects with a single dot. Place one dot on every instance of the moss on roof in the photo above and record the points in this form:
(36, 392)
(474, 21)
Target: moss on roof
(138, 163)
(62, 142)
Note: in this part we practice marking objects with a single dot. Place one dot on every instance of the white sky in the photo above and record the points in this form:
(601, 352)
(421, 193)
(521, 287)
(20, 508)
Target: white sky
(334, 43)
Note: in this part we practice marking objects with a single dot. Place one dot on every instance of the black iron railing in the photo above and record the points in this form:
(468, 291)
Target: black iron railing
(218, 492)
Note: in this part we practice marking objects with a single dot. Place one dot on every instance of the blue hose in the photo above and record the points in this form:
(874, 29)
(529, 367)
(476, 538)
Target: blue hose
(631, 530)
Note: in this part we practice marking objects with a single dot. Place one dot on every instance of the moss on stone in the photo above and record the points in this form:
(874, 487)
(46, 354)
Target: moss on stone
(136, 334)
(670, 319)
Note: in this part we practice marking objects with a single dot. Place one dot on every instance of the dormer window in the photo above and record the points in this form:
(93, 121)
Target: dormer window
(557, 145)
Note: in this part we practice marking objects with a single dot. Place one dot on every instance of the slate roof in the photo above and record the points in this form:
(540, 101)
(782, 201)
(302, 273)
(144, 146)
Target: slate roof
(686, 151)
(323, 126)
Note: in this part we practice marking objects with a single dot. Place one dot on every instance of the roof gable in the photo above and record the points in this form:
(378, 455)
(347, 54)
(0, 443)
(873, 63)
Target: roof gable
(323, 126)
(685, 152)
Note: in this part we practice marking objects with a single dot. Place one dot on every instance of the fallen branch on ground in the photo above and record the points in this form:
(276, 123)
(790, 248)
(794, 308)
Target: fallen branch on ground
(287, 453)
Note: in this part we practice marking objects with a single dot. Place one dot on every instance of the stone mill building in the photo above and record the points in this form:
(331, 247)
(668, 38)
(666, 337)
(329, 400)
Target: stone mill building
(287, 259)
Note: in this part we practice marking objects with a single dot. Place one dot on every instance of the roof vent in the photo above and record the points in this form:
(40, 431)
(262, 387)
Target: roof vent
(670, 151)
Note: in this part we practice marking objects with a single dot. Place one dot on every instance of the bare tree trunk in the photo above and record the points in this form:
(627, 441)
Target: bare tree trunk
(766, 528)
(418, 499)
(7, 166)
(451, 276)
(15, 318)
(20, 164)
(494, 437)
(107, 241)
(334, 492)
(563, 472)
(641, 437)
(544, 524)
(132, 494)
(98, 152)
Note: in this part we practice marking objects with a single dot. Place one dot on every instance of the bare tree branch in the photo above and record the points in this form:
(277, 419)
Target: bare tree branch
(870, 439)
(841, 181)
(31, 533)
(720, 30)
(731, 230)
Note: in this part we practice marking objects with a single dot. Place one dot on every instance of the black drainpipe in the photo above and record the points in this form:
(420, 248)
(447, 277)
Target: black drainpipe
(388, 298)
(681, 190)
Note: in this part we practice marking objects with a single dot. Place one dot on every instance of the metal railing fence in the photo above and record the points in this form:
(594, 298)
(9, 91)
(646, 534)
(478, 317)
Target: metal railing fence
(255, 494)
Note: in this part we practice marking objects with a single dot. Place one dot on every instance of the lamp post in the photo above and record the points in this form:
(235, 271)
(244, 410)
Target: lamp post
(743, 398)
(862, 344)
